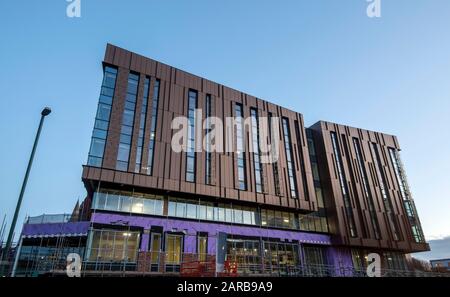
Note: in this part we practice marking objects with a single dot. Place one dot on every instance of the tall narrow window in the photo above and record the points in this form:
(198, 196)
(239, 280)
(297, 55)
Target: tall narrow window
(302, 160)
(367, 193)
(384, 193)
(155, 250)
(259, 179)
(406, 196)
(190, 154)
(241, 164)
(142, 122)
(174, 247)
(276, 176)
(151, 146)
(202, 246)
(344, 188)
(320, 216)
(401, 179)
(208, 154)
(126, 131)
(289, 158)
(101, 125)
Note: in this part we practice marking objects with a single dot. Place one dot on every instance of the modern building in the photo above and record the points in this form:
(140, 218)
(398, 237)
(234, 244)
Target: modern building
(335, 194)
(440, 264)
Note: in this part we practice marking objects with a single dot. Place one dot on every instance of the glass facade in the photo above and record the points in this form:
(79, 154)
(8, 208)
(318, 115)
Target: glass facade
(279, 219)
(42, 254)
(237, 214)
(142, 122)
(208, 211)
(148, 204)
(241, 163)
(128, 202)
(344, 187)
(395, 261)
(126, 132)
(314, 222)
(101, 125)
(280, 257)
(259, 178)
(112, 246)
(190, 154)
(314, 255)
(289, 158)
(245, 253)
(151, 146)
(408, 203)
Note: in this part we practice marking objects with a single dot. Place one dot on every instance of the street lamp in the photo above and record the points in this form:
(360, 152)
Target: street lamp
(45, 112)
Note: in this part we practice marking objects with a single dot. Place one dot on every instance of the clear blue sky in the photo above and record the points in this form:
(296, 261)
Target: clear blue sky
(325, 59)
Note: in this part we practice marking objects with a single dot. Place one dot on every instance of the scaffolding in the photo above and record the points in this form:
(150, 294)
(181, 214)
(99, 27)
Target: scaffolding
(47, 256)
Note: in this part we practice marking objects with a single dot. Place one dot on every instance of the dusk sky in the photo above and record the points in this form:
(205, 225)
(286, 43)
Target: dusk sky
(324, 59)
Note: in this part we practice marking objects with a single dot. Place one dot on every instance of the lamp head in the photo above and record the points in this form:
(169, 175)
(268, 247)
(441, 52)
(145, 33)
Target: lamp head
(46, 111)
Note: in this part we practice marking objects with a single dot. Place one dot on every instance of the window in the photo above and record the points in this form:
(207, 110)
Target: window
(241, 164)
(142, 122)
(289, 158)
(155, 250)
(208, 153)
(320, 216)
(202, 246)
(112, 246)
(121, 201)
(408, 203)
(174, 245)
(101, 125)
(343, 183)
(126, 132)
(246, 254)
(97, 147)
(402, 183)
(302, 159)
(384, 193)
(190, 154)
(280, 257)
(191, 211)
(151, 146)
(259, 179)
(315, 259)
(200, 210)
(278, 219)
(276, 176)
(367, 193)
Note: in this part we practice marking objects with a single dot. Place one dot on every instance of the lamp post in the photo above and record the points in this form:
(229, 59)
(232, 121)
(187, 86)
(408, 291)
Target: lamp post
(45, 112)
